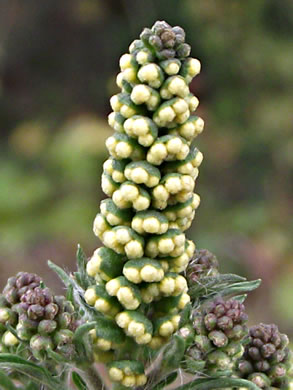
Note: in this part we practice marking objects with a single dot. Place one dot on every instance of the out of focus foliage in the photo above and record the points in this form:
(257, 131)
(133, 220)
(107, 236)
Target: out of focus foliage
(58, 62)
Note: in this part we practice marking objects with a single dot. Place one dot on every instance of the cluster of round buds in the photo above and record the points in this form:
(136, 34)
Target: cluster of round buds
(266, 361)
(8, 318)
(135, 325)
(188, 166)
(131, 195)
(203, 264)
(164, 327)
(106, 336)
(220, 332)
(190, 129)
(142, 128)
(167, 148)
(45, 321)
(128, 373)
(150, 180)
(123, 146)
(167, 42)
(18, 285)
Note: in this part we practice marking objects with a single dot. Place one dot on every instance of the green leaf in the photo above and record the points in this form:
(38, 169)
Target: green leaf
(6, 382)
(78, 381)
(224, 285)
(173, 353)
(69, 294)
(241, 287)
(31, 370)
(88, 312)
(193, 366)
(83, 346)
(65, 278)
(166, 381)
(55, 356)
(185, 315)
(219, 383)
(240, 298)
(82, 330)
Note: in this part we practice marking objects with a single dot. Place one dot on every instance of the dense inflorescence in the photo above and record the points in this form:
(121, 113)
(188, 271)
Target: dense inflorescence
(219, 334)
(149, 178)
(31, 314)
(266, 360)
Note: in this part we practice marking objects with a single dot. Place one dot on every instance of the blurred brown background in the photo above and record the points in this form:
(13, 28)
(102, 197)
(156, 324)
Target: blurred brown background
(58, 61)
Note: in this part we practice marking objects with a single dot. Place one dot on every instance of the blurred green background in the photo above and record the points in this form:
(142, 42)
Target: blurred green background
(58, 61)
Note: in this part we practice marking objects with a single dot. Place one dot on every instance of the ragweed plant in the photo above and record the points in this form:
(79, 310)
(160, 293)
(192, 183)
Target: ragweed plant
(147, 305)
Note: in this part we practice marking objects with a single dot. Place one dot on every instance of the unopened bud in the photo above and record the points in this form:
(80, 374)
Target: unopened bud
(218, 338)
(63, 336)
(260, 380)
(203, 343)
(47, 327)
(7, 316)
(9, 339)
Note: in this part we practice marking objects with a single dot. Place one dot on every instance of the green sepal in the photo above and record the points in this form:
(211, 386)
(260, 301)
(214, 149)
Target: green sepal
(164, 64)
(151, 213)
(157, 322)
(133, 366)
(165, 138)
(126, 86)
(167, 304)
(151, 170)
(124, 98)
(119, 119)
(138, 150)
(102, 293)
(172, 166)
(140, 318)
(108, 330)
(141, 262)
(179, 206)
(171, 233)
(124, 214)
(112, 263)
(119, 165)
